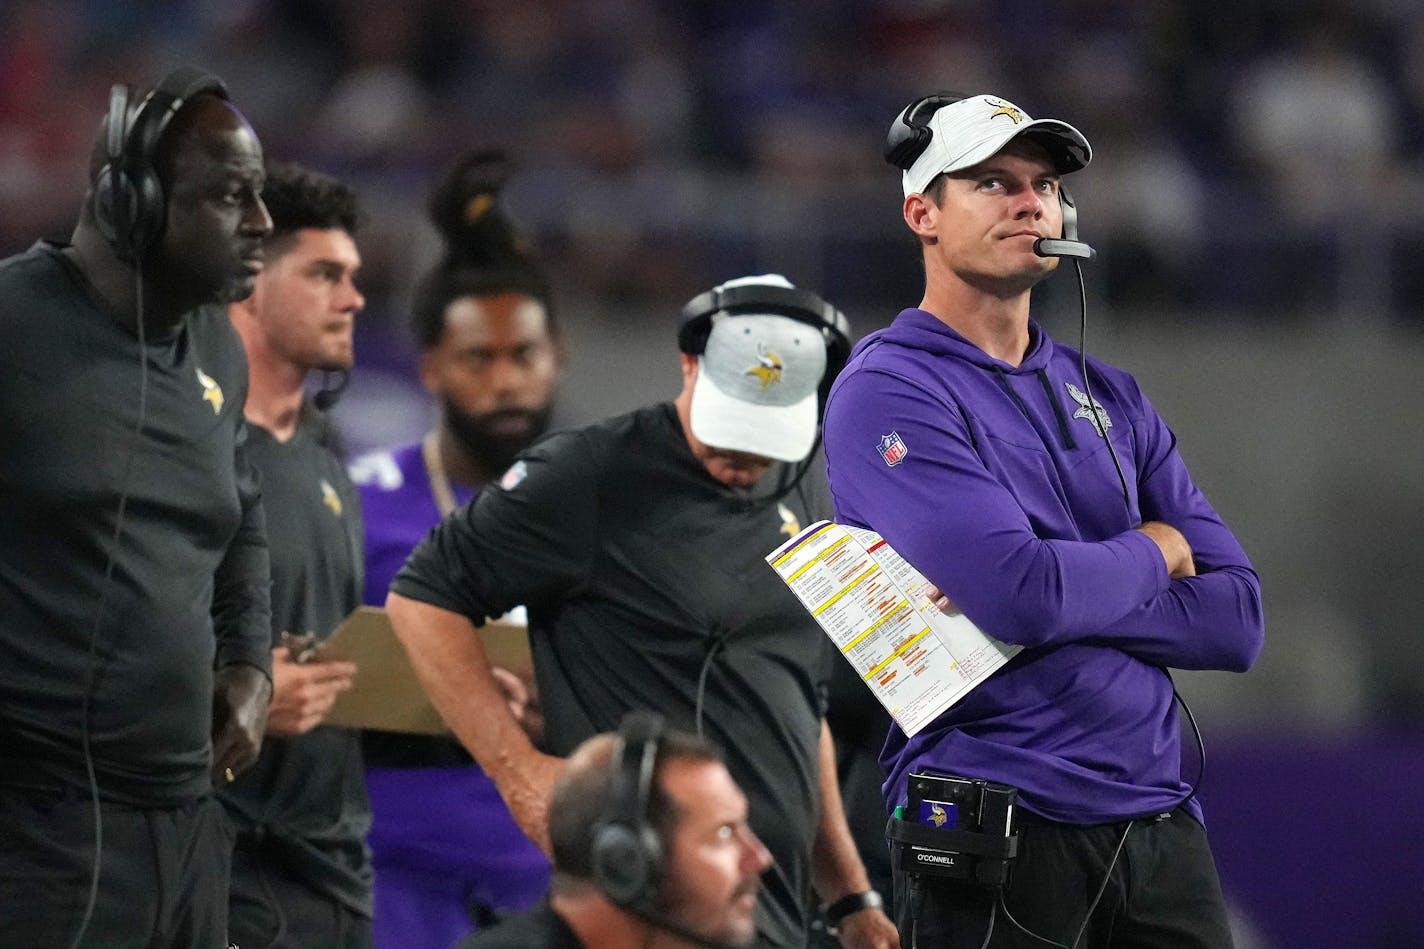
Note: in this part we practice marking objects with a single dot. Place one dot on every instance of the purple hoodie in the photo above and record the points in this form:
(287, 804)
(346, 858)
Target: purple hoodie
(994, 481)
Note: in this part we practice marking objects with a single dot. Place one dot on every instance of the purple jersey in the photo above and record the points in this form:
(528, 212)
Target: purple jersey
(996, 482)
(400, 510)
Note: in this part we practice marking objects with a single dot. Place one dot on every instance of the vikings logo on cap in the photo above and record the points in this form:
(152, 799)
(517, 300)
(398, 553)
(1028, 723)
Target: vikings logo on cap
(1014, 113)
(968, 131)
(768, 367)
(757, 383)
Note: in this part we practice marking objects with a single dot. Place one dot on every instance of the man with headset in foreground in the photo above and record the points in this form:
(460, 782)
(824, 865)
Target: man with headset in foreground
(1045, 498)
(651, 848)
(134, 608)
(637, 545)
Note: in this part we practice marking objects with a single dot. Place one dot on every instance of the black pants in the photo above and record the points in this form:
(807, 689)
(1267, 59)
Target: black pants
(163, 876)
(1162, 892)
(272, 909)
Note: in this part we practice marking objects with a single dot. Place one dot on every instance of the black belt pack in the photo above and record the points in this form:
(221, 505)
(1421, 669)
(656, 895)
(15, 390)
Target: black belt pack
(956, 827)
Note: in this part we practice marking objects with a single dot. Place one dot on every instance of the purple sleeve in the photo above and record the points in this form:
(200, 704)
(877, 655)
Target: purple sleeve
(1213, 620)
(947, 514)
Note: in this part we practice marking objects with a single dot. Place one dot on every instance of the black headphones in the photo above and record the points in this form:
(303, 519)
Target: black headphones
(910, 133)
(626, 855)
(766, 298)
(129, 203)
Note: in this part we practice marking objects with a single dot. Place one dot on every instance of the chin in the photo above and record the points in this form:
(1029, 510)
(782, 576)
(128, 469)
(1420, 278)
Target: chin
(238, 288)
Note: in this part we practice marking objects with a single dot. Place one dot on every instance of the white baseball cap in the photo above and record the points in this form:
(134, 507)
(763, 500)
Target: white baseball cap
(977, 127)
(757, 382)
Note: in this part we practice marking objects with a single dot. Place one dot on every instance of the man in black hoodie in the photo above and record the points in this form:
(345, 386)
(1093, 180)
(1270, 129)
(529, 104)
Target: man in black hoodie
(134, 603)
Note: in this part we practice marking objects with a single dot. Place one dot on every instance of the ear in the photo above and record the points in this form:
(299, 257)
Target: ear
(921, 216)
(689, 371)
(429, 370)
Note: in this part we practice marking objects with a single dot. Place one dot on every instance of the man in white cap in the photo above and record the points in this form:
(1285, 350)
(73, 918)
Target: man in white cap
(1044, 496)
(637, 546)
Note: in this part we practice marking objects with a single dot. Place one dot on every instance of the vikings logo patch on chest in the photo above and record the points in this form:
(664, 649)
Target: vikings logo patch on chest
(1094, 413)
(790, 525)
(330, 498)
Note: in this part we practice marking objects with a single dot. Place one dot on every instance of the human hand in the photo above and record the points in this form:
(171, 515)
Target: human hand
(522, 696)
(303, 692)
(941, 602)
(1175, 549)
(869, 928)
(241, 693)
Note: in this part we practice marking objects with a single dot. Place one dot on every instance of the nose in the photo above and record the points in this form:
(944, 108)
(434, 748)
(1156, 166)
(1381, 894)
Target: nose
(355, 302)
(507, 377)
(255, 219)
(1030, 204)
(756, 859)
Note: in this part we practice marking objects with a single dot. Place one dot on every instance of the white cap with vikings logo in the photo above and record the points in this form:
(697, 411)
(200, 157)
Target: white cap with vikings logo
(757, 381)
(975, 128)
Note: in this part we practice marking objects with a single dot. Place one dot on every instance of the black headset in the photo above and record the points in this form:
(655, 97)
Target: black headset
(910, 133)
(626, 855)
(761, 299)
(129, 202)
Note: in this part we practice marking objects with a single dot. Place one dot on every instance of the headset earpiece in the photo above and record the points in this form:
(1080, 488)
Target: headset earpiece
(113, 207)
(626, 855)
(1070, 213)
(910, 132)
(1068, 245)
(129, 201)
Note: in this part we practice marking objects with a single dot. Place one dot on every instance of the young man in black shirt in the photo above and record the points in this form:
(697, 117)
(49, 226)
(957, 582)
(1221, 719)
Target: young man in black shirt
(301, 873)
(637, 545)
(134, 611)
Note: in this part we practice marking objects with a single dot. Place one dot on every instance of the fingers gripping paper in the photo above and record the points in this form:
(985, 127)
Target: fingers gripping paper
(876, 608)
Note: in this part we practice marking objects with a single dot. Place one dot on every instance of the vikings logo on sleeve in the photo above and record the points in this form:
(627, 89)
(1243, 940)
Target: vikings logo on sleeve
(212, 392)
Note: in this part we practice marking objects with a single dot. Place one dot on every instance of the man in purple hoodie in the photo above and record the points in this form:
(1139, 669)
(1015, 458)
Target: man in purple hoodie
(1053, 509)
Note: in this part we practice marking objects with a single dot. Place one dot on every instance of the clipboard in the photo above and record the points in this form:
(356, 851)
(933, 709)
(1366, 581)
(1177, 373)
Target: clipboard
(387, 694)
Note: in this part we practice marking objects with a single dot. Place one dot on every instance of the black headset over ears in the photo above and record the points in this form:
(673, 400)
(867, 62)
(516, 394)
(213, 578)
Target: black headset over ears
(626, 853)
(910, 133)
(129, 202)
(764, 298)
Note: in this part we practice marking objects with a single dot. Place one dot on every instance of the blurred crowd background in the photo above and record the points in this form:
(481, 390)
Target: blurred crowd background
(1256, 198)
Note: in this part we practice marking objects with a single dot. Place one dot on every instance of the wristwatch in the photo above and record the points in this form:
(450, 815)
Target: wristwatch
(852, 903)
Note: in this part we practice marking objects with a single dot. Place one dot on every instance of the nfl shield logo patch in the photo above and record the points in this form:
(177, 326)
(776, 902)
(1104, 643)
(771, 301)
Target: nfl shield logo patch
(513, 476)
(892, 449)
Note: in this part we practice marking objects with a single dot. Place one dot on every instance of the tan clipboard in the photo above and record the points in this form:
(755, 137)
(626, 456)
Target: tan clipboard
(387, 694)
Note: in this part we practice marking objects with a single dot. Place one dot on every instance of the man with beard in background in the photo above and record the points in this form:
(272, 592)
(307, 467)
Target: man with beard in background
(447, 854)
